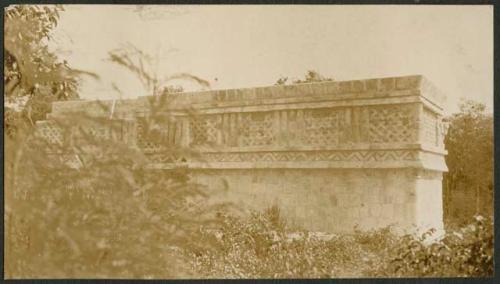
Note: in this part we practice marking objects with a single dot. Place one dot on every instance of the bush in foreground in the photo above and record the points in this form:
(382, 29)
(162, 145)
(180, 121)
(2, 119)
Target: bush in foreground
(89, 207)
(262, 246)
(467, 252)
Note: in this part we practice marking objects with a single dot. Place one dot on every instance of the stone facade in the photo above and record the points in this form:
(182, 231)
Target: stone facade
(332, 155)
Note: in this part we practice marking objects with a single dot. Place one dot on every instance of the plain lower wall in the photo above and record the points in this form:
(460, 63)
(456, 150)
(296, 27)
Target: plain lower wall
(333, 200)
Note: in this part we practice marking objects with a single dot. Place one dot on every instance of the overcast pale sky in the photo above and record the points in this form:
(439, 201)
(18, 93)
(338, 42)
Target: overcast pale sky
(247, 46)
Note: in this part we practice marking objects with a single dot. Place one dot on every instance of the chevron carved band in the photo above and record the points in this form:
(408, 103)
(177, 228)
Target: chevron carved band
(296, 156)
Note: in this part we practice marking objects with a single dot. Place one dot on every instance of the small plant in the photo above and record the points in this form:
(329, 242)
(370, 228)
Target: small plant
(311, 76)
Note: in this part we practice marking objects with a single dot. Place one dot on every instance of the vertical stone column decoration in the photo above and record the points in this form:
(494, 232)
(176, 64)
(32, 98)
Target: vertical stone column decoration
(420, 123)
(129, 133)
(224, 128)
(346, 127)
(332, 155)
(355, 124)
(283, 128)
(186, 133)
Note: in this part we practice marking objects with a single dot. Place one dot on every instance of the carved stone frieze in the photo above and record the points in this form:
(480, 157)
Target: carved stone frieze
(367, 114)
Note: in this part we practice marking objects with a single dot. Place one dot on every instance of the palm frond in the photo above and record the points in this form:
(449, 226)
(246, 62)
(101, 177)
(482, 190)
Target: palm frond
(189, 77)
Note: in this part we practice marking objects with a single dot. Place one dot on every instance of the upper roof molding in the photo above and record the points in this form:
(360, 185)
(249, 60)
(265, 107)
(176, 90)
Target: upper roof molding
(377, 88)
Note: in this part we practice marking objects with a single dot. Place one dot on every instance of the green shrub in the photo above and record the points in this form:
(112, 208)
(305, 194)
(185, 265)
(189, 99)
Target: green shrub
(263, 246)
(467, 252)
(106, 215)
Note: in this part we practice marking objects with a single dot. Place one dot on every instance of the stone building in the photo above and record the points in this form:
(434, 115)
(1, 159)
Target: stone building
(331, 155)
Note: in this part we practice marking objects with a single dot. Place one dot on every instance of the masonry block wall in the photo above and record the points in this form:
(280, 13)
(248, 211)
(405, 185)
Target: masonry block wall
(332, 155)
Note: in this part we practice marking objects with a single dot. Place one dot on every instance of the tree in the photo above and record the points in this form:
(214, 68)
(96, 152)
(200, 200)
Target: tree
(81, 205)
(311, 76)
(469, 142)
(33, 75)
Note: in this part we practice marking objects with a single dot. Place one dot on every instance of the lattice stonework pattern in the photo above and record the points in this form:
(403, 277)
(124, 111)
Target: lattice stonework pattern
(98, 132)
(145, 142)
(392, 124)
(256, 129)
(83, 133)
(307, 127)
(321, 127)
(50, 132)
(430, 127)
(204, 129)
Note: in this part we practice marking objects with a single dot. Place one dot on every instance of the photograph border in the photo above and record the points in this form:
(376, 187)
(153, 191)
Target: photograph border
(496, 110)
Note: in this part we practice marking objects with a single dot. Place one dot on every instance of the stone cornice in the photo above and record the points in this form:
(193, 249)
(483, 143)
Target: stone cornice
(352, 147)
(338, 93)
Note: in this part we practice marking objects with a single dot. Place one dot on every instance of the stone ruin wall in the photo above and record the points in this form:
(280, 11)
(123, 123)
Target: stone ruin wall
(331, 155)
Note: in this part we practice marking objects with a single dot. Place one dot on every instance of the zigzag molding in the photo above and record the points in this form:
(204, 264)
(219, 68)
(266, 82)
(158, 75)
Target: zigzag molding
(298, 156)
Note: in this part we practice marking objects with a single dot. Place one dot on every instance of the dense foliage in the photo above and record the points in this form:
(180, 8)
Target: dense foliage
(467, 252)
(89, 206)
(469, 142)
(262, 246)
(33, 75)
(80, 204)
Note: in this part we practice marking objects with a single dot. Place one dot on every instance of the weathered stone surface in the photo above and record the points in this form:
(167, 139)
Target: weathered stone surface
(333, 154)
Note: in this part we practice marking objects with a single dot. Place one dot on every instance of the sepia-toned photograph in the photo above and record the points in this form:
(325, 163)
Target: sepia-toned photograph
(248, 141)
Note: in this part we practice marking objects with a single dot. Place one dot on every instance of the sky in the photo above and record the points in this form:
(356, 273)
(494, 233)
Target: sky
(249, 46)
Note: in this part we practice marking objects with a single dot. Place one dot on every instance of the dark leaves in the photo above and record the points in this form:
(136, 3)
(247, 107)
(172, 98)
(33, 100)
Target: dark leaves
(109, 216)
